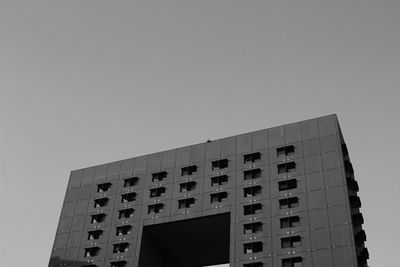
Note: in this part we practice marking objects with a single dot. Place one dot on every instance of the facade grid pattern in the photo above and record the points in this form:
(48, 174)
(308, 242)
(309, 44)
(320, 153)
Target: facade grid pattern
(289, 190)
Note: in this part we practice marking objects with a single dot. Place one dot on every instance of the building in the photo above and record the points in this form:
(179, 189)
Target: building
(284, 196)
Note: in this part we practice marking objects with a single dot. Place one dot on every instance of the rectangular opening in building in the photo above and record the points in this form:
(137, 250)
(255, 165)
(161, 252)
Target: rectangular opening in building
(286, 167)
(252, 174)
(189, 170)
(252, 157)
(285, 151)
(132, 181)
(200, 241)
(187, 187)
(219, 164)
(219, 180)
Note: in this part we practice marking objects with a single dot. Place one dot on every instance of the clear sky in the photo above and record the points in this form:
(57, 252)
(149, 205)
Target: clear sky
(84, 82)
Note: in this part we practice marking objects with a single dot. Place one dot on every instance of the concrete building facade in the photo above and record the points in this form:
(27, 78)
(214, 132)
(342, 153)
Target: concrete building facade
(284, 196)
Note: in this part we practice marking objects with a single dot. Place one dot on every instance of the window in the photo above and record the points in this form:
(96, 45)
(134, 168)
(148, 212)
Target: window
(292, 262)
(120, 248)
(360, 238)
(157, 192)
(286, 167)
(357, 218)
(187, 187)
(288, 203)
(252, 247)
(252, 174)
(156, 208)
(127, 213)
(219, 180)
(128, 182)
(252, 157)
(285, 151)
(188, 170)
(219, 197)
(118, 264)
(252, 209)
(352, 185)
(287, 184)
(292, 221)
(101, 202)
(103, 187)
(348, 168)
(96, 234)
(123, 230)
(252, 228)
(355, 201)
(91, 252)
(252, 191)
(219, 164)
(159, 176)
(291, 242)
(128, 197)
(186, 203)
(98, 218)
(254, 264)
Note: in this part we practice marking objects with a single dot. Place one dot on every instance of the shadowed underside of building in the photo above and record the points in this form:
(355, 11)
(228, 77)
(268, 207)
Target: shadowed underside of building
(284, 196)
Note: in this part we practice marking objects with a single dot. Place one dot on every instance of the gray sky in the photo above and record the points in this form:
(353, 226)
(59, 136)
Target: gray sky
(88, 82)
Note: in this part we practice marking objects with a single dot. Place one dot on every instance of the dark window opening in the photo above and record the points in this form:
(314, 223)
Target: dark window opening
(287, 184)
(252, 174)
(128, 182)
(219, 180)
(254, 247)
(129, 197)
(127, 213)
(101, 202)
(159, 176)
(120, 248)
(187, 187)
(186, 203)
(98, 218)
(292, 221)
(286, 167)
(254, 264)
(348, 167)
(360, 238)
(252, 191)
(292, 262)
(103, 187)
(355, 201)
(156, 208)
(96, 234)
(91, 252)
(251, 157)
(219, 197)
(357, 219)
(288, 203)
(344, 150)
(252, 209)
(189, 170)
(123, 230)
(291, 242)
(252, 228)
(352, 185)
(285, 151)
(219, 164)
(118, 264)
(157, 192)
